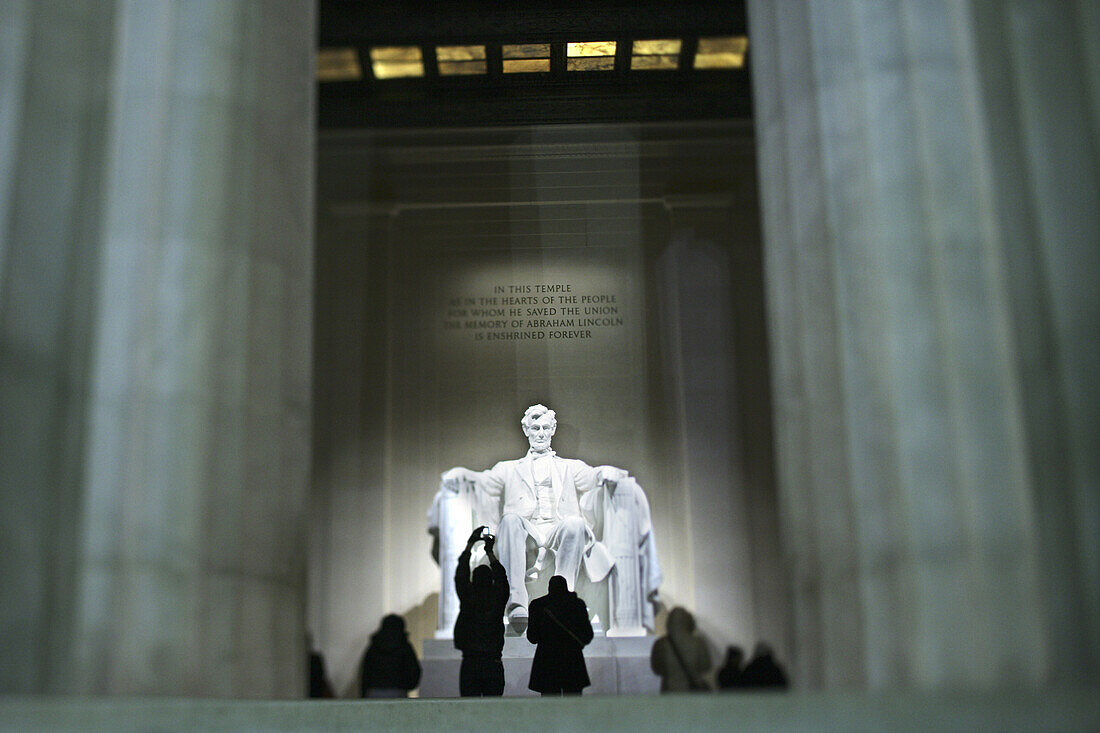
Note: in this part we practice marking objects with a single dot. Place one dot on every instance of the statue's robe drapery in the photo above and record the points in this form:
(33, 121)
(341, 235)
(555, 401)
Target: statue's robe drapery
(621, 520)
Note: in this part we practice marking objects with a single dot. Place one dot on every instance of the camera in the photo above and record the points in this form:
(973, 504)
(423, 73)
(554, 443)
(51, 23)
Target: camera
(487, 537)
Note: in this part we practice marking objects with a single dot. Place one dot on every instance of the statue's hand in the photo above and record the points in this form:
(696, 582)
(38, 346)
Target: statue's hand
(609, 476)
(452, 479)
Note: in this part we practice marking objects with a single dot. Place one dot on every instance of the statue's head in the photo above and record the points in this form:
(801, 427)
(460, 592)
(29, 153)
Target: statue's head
(539, 423)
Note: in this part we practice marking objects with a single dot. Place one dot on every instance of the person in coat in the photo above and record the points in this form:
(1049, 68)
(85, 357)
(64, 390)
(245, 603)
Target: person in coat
(390, 667)
(763, 671)
(681, 657)
(729, 677)
(559, 625)
(479, 628)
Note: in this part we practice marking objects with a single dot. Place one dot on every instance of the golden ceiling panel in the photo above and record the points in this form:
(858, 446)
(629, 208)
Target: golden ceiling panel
(525, 66)
(661, 47)
(590, 48)
(338, 64)
(525, 51)
(723, 44)
(397, 69)
(727, 52)
(638, 63)
(719, 60)
(590, 63)
(460, 53)
(461, 68)
(395, 53)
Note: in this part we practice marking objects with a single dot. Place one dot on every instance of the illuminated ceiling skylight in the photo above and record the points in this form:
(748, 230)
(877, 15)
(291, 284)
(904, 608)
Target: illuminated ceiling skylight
(392, 62)
(458, 60)
(338, 64)
(727, 52)
(520, 58)
(590, 56)
(658, 54)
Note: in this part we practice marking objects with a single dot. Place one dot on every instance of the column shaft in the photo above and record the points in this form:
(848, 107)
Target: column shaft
(906, 310)
(186, 340)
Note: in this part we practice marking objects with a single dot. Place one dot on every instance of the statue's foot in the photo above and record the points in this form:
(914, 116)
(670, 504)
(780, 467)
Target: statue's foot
(517, 620)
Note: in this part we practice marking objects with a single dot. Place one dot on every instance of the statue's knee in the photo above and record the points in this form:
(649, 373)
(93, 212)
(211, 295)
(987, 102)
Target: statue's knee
(508, 522)
(573, 525)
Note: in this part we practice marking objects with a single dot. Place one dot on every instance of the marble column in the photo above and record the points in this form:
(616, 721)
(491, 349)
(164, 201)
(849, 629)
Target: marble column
(169, 210)
(930, 181)
(714, 374)
(53, 87)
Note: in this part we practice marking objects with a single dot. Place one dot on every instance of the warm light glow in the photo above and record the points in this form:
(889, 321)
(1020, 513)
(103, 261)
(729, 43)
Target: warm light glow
(338, 64)
(525, 66)
(656, 54)
(525, 51)
(460, 53)
(392, 62)
(590, 48)
(727, 52)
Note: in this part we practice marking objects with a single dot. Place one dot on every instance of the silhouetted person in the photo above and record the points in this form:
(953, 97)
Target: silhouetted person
(558, 623)
(762, 670)
(319, 686)
(681, 657)
(729, 677)
(390, 667)
(479, 628)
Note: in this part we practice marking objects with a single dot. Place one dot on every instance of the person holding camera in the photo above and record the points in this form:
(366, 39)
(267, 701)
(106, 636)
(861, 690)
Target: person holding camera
(479, 629)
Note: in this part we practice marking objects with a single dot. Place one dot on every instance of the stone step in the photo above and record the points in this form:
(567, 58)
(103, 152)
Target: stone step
(616, 666)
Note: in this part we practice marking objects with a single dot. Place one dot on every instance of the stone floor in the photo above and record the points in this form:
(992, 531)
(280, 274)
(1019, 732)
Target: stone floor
(1049, 710)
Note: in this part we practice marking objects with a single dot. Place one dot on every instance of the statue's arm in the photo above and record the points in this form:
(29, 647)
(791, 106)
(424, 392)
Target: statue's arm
(485, 483)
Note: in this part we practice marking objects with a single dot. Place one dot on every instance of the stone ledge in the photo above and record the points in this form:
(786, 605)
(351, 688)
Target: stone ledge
(1056, 709)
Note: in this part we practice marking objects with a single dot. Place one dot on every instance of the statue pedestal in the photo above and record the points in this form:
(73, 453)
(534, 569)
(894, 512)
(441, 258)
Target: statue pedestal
(616, 666)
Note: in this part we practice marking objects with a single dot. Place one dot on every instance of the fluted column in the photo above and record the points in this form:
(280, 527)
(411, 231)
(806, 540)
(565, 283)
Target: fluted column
(53, 85)
(183, 552)
(928, 339)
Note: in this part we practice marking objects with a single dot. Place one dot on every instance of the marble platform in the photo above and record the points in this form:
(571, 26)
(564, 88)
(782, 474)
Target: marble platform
(616, 666)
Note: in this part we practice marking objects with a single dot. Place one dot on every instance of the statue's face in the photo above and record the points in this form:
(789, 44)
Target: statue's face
(540, 432)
